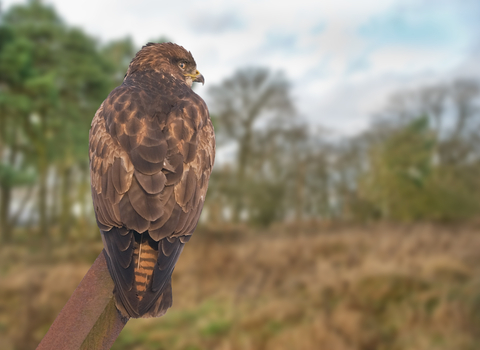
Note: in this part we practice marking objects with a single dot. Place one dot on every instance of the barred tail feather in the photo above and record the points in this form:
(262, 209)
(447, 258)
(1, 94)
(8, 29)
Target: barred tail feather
(141, 269)
(144, 257)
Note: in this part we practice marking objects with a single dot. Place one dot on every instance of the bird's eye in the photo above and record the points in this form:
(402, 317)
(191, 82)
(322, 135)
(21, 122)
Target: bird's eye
(182, 65)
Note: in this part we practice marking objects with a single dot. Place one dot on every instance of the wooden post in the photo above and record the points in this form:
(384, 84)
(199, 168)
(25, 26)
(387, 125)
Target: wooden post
(89, 319)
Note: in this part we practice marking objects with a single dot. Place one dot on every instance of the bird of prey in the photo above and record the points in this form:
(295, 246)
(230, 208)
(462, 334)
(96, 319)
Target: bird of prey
(152, 149)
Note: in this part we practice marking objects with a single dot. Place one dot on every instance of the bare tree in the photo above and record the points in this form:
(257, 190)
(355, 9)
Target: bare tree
(252, 99)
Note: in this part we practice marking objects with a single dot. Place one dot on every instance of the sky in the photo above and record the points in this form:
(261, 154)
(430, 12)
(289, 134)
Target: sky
(343, 58)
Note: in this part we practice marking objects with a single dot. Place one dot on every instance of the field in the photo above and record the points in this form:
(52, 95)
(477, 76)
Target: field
(341, 288)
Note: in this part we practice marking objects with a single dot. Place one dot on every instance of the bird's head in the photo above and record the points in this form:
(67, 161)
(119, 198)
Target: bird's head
(167, 58)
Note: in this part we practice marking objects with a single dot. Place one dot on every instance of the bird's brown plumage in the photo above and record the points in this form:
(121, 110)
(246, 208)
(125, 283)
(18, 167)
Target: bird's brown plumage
(152, 149)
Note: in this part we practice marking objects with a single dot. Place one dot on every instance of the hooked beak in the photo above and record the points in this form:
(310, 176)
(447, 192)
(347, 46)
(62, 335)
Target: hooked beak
(199, 78)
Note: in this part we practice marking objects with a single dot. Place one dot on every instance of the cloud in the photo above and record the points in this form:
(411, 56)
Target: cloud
(216, 23)
(343, 57)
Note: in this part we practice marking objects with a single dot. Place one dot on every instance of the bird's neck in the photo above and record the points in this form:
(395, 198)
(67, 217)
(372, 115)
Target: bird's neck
(152, 79)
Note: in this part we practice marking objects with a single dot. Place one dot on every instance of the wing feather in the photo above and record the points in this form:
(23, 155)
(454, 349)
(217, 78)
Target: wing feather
(152, 184)
(150, 162)
(121, 175)
(130, 217)
(147, 205)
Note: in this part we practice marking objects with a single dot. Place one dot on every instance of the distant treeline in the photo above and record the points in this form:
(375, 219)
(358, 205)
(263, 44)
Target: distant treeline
(420, 160)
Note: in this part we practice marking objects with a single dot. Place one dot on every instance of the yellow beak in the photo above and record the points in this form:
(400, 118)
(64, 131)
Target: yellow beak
(197, 77)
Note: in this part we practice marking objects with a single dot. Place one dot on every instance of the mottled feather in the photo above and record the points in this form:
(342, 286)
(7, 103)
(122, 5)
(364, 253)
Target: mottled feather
(151, 154)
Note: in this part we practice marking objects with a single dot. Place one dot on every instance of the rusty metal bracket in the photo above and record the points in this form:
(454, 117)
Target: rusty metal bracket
(89, 319)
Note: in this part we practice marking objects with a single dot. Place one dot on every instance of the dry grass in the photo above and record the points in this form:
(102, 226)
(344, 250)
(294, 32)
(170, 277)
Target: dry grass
(353, 288)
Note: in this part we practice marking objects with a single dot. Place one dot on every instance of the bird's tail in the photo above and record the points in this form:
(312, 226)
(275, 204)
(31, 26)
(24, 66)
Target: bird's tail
(143, 281)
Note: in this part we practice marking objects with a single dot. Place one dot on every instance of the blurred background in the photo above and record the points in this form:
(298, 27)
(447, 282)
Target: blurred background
(344, 208)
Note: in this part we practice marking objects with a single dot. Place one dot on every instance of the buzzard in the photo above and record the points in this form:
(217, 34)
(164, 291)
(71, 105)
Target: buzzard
(152, 149)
